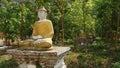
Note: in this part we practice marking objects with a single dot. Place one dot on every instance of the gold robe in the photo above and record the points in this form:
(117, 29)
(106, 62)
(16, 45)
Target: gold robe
(43, 28)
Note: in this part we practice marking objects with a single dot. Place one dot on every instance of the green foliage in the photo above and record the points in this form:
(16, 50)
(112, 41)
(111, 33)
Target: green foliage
(9, 18)
(6, 61)
(16, 16)
(116, 65)
(107, 18)
(98, 55)
(9, 64)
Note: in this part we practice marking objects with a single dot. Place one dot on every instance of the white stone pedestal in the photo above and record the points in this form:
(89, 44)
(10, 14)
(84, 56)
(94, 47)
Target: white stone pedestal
(47, 59)
(60, 64)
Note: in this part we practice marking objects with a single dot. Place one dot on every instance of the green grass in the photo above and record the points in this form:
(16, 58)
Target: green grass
(97, 55)
(6, 61)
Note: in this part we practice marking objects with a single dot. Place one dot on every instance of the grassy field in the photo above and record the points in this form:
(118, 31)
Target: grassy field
(96, 55)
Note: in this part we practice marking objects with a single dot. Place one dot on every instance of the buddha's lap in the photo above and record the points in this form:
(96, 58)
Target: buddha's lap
(39, 44)
(43, 45)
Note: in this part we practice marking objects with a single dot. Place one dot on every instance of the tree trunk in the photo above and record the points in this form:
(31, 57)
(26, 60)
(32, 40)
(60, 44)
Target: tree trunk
(21, 24)
(83, 9)
(63, 22)
(116, 40)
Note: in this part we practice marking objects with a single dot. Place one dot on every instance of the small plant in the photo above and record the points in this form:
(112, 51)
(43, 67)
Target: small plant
(8, 64)
(6, 61)
(116, 65)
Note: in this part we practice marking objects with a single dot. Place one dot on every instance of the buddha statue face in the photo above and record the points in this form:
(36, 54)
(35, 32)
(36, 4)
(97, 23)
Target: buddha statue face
(42, 13)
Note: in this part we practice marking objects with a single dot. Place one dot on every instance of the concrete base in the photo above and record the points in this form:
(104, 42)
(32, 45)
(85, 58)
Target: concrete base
(2, 47)
(61, 64)
(24, 65)
(47, 59)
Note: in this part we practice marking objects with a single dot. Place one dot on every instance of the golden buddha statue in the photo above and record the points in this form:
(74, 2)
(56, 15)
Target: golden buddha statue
(42, 33)
(82, 34)
(83, 38)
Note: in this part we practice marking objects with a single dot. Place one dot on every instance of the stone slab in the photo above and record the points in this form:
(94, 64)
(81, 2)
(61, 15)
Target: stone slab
(48, 59)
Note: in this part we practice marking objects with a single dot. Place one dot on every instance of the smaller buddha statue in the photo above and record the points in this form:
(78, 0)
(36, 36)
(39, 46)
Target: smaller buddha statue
(82, 34)
(42, 33)
(83, 38)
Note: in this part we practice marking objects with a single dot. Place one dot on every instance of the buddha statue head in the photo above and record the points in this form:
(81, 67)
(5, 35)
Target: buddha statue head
(42, 13)
(82, 31)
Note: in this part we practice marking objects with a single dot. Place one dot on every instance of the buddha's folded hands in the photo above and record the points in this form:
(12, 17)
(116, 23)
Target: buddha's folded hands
(43, 40)
(37, 37)
(38, 40)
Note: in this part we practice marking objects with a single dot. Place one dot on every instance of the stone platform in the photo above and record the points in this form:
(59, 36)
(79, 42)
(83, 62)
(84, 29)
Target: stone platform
(47, 59)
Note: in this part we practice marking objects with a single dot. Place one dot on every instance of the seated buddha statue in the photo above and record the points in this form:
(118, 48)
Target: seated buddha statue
(42, 33)
(83, 38)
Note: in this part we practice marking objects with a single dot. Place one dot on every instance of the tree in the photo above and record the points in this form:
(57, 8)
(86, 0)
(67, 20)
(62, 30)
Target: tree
(9, 19)
(107, 16)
